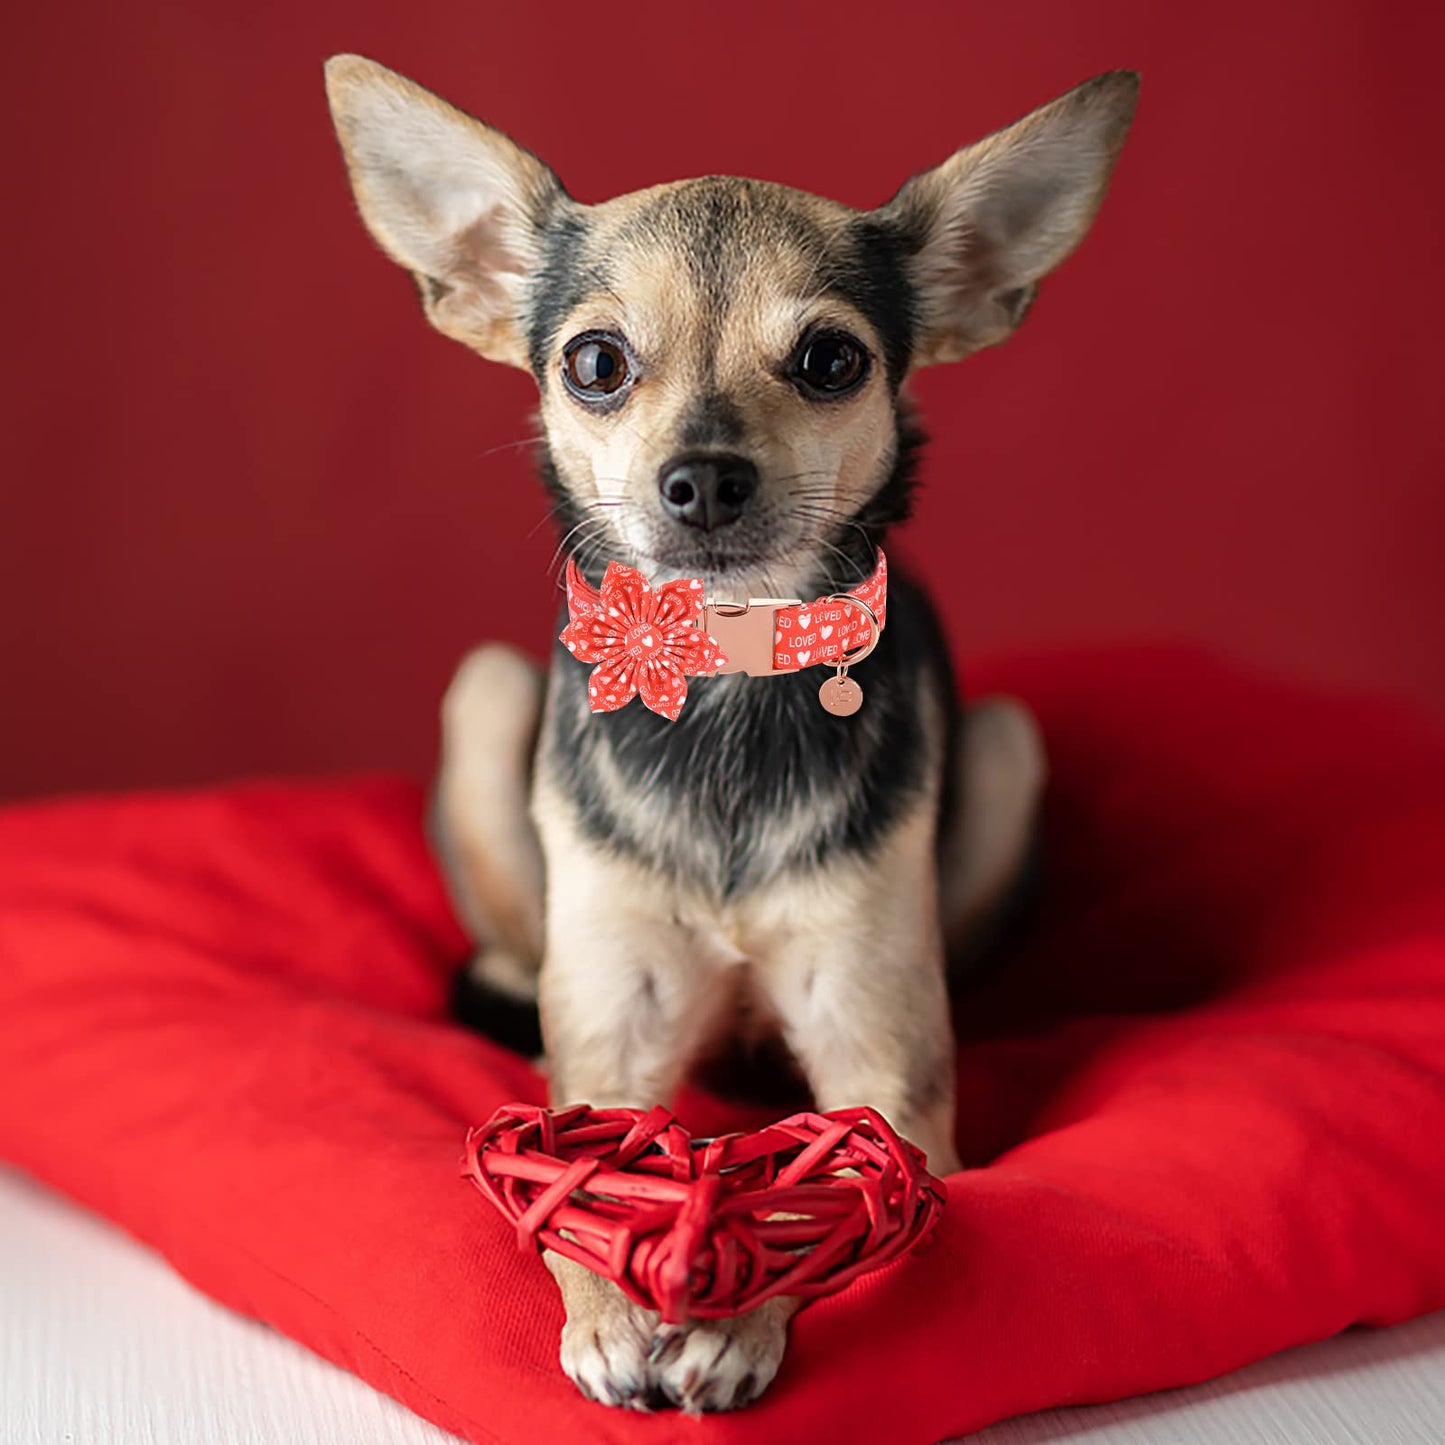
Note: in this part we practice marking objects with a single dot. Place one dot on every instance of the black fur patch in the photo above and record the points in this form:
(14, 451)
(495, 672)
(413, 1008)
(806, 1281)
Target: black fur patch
(562, 279)
(892, 503)
(873, 278)
(514, 1023)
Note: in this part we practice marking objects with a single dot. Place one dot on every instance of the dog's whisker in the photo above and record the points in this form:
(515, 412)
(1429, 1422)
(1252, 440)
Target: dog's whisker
(563, 504)
(819, 518)
(585, 530)
(531, 441)
(549, 515)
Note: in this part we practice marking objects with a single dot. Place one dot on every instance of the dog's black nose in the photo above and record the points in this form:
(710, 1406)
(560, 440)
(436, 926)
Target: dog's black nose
(707, 489)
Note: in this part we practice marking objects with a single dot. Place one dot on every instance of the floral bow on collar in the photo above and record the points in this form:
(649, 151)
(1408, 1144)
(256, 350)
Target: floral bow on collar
(644, 643)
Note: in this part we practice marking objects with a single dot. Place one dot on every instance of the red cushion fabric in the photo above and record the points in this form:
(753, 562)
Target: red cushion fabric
(1203, 1105)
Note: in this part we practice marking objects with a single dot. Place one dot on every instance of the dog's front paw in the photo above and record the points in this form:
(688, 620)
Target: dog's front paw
(607, 1358)
(618, 1353)
(607, 1340)
(721, 1364)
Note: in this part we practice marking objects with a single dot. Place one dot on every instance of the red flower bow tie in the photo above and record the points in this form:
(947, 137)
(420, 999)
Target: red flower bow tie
(647, 642)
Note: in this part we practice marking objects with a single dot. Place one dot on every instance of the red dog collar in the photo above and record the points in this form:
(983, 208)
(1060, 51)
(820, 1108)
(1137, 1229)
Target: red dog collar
(647, 642)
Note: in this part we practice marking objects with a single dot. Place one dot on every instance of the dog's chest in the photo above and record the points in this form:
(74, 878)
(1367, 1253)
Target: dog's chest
(741, 1051)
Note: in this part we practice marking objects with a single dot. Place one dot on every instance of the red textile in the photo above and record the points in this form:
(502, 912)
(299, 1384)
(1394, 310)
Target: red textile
(1206, 1100)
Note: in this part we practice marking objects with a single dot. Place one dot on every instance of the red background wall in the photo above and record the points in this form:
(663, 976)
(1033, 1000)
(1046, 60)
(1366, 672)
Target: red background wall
(247, 497)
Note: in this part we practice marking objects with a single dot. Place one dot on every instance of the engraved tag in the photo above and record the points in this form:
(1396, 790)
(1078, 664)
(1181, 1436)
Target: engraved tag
(841, 696)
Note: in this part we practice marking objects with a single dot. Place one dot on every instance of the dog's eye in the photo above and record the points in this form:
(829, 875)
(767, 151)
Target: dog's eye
(594, 367)
(831, 362)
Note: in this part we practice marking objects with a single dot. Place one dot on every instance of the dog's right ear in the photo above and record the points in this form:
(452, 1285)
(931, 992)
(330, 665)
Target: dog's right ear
(988, 224)
(457, 203)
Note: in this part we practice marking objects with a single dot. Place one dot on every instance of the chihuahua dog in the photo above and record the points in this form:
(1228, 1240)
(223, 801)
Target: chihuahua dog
(723, 368)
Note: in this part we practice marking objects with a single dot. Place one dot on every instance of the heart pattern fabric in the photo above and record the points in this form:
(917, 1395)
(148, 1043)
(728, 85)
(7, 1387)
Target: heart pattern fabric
(823, 631)
(645, 643)
(707, 1228)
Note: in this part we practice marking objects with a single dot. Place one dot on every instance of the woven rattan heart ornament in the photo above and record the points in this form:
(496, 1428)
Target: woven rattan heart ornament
(705, 1228)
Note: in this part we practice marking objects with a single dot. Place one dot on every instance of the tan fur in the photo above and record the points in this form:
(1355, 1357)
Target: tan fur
(450, 199)
(484, 836)
(621, 1354)
(459, 205)
(1002, 771)
(829, 456)
(637, 972)
(1002, 214)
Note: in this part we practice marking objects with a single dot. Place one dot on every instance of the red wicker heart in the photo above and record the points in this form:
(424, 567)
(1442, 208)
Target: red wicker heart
(705, 1228)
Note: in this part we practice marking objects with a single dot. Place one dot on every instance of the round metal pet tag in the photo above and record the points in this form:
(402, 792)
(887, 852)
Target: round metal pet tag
(841, 696)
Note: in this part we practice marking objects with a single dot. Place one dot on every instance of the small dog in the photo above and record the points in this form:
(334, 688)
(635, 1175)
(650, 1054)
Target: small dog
(723, 367)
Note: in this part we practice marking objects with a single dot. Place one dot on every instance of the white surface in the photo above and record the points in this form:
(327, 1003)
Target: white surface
(1364, 1387)
(100, 1344)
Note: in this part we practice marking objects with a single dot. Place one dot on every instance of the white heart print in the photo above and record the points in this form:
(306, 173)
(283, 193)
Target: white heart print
(827, 632)
(804, 618)
(803, 657)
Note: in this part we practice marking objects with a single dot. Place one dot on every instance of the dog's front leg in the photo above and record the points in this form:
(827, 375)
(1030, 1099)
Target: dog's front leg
(627, 991)
(851, 958)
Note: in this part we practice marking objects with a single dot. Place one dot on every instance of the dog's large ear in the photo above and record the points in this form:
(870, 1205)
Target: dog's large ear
(457, 203)
(987, 224)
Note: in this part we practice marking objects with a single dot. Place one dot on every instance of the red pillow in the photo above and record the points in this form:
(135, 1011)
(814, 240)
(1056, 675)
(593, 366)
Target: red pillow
(1203, 1103)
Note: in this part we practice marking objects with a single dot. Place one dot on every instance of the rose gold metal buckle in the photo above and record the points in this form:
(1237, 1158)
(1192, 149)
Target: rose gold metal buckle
(744, 631)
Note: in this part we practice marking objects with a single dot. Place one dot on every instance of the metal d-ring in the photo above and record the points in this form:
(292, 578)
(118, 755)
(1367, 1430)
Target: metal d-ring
(846, 660)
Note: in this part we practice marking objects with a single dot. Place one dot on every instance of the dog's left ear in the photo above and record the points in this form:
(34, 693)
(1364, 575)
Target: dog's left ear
(457, 203)
(986, 225)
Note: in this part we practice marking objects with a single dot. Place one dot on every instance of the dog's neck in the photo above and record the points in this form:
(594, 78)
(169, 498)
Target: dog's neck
(839, 560)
